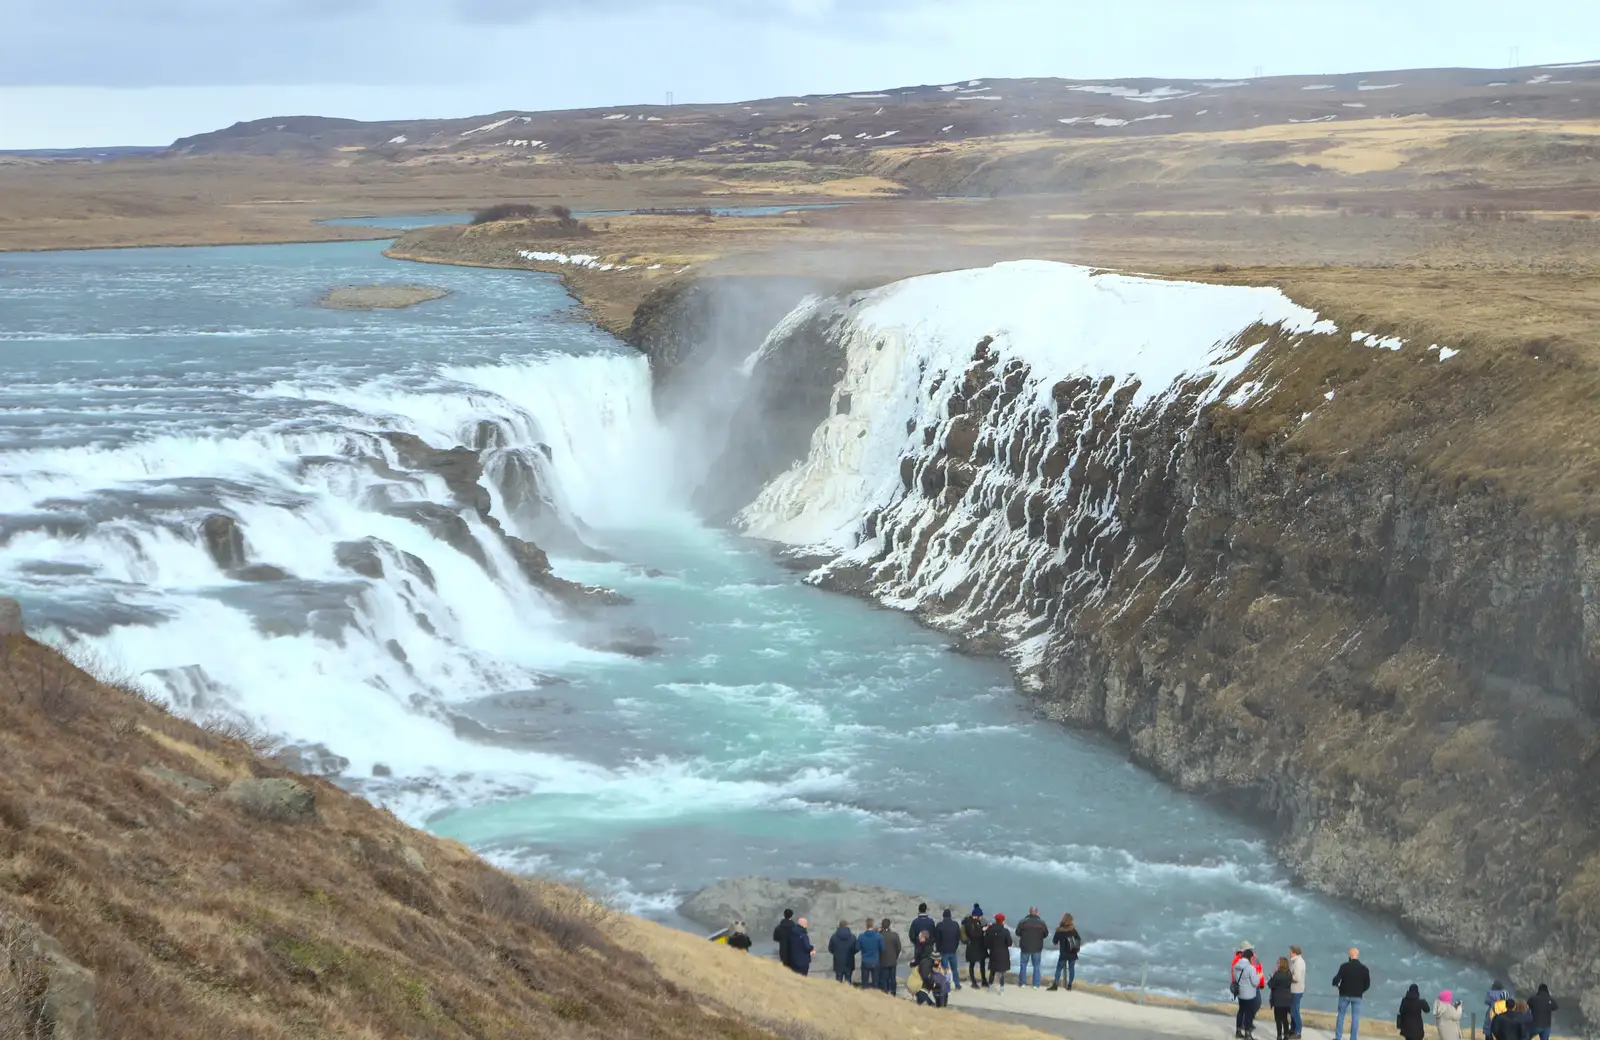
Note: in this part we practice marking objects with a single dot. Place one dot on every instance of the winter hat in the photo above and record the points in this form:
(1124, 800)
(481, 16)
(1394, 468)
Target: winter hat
(947, 915)
(999, 918)
(977, 911)
(1446, 996)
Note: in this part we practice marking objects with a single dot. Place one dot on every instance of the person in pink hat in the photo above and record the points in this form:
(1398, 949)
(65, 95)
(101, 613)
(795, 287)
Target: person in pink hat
(1447, 1013)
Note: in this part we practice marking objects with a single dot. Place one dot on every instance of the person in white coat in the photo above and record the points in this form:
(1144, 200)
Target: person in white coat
(1297, 989)
(1447, 1013)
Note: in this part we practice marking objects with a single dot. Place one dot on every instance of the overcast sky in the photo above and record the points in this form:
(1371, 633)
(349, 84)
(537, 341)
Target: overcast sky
(104, 72)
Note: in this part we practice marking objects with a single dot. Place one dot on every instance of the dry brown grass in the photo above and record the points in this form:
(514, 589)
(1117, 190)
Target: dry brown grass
(200, 922)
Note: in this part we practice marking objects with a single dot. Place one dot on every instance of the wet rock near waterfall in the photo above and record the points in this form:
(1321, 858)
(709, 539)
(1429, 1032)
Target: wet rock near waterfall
(487, 434)
(444, 524)
(260, 572)
(630, 641)
(311, 760)
(375, 465)
(224, 541)
(459, 467)
(531, 508)
(365, 557)
(295, 606)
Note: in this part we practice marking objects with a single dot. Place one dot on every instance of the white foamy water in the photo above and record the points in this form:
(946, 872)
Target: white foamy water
(776, 729)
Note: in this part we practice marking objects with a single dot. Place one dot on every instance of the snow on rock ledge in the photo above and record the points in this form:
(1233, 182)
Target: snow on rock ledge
(978, 441)
(905, 340)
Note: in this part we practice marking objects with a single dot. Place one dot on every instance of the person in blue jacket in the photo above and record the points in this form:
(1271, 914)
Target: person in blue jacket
(800, 948)
(871, 946)
(843, 947)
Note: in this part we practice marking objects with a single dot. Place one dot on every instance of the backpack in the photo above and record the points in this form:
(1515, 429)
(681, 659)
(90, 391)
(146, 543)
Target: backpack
(1070, 945)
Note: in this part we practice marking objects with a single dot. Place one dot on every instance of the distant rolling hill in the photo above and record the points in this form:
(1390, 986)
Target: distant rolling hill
(833, 127)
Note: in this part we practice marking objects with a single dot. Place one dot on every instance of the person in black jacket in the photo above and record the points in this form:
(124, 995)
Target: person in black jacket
(999, 940)
(738, 938)
(800, 948)
(1278, 992)
(1352, 981)
(922, 923)
(947, 940)
(1409, 1019)
(843, 947)
(1543, 1006)
(1514, 1023)
(780, 935)
(973, 931)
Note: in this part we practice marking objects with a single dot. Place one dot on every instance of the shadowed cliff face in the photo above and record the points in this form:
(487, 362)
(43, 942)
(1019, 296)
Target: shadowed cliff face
(1401, 674)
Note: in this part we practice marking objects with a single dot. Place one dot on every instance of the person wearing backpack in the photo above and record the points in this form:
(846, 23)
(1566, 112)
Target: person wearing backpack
(1249, 979)
(1493, 1002)
(972, 931)
(1068, 942)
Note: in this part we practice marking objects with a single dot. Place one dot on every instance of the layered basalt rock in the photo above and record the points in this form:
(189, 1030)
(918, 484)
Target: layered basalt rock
(1400, 673)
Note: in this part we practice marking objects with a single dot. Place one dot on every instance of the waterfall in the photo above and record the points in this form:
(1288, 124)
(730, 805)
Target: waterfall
(314, 579)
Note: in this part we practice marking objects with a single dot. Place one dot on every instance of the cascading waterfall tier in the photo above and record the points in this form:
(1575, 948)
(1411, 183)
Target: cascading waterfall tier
(349, 585)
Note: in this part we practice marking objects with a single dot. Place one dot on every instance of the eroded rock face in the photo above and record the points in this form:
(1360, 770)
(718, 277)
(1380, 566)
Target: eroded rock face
(1402, 675)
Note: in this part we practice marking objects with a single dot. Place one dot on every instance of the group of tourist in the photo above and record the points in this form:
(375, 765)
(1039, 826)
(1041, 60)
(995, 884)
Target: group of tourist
(1506, 1017)
(935, 949)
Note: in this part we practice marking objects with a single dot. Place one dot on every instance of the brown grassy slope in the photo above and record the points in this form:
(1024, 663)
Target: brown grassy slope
(1513, 410)
(202, 922)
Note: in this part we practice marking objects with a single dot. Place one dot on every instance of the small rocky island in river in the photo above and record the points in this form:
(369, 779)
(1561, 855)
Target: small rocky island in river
(374, 297)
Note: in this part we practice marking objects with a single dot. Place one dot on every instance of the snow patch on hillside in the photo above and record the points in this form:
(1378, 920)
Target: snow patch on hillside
(487, 127)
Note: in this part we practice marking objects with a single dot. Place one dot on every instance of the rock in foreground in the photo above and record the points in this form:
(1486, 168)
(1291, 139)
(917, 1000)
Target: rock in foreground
(379, 297)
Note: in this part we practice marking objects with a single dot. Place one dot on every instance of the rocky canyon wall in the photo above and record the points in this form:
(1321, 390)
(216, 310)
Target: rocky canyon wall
(1108, 479)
